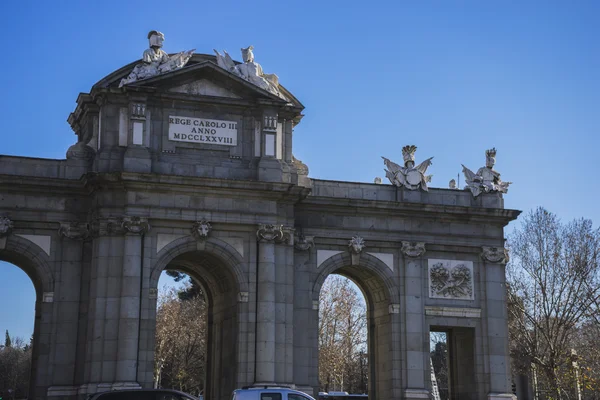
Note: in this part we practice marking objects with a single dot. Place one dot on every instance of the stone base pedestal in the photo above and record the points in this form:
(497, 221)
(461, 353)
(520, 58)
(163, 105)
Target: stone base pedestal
(410, 394)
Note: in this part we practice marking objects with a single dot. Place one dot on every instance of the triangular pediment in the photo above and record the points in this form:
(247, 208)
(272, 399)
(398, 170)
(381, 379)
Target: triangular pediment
(201, 77)
(204, 87)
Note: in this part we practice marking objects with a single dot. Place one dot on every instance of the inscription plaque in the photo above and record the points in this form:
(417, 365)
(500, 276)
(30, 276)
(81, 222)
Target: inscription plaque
(202, 130)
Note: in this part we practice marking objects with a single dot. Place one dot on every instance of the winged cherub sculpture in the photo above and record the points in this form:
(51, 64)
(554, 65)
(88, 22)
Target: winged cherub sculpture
(409, 176)
(486, 180)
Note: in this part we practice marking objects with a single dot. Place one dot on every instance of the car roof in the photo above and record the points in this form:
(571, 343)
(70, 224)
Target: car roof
(271, 389)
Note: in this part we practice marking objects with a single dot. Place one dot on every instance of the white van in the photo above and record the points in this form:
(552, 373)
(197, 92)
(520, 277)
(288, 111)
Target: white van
(269, 393)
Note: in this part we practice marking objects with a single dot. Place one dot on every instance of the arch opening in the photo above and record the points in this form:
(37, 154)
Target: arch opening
(375, 282)
(18, 322)
(212, 290)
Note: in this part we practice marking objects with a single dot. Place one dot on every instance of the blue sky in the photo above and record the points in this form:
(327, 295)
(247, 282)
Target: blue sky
(452, 77)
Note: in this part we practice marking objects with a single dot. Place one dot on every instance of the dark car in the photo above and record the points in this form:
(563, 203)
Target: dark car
(142, 394)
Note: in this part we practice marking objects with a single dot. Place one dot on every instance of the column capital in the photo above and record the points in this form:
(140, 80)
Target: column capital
(495, 255)
(413, 249)
(75, 230)
(135, 225)
(270, 233)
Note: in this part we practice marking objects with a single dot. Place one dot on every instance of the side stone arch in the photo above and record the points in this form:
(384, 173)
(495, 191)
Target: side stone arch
(372, 264)
(224, 251)
(382, 295)
(33, 260)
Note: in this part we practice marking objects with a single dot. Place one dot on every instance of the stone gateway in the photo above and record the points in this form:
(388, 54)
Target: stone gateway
(186, 163)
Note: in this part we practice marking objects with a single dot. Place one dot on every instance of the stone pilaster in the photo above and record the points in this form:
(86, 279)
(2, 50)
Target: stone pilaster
(417, 335)
(129, 312)
(267, 235)
(497, 322)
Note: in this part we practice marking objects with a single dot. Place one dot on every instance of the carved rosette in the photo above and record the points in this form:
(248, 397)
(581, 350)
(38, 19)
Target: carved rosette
(6, 226)
(270, 233)
(496, 255)
(75, 230)
(135, 225)
(413, 249)
(201, 229)
(304, 243)
(356, 245)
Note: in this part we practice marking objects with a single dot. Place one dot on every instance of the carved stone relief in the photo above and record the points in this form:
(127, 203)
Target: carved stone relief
(135, 225)
(451, 279)
(496, 255)
(356, 244)
(201, 229)
(6, 226)
(269, 233)
(304, 243)
(413, 249)
(75, 230)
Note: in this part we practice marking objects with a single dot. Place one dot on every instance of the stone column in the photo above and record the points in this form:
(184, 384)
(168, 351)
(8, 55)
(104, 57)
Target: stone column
(497, 322)
(265, 303)
(417, 334)
(129, 311)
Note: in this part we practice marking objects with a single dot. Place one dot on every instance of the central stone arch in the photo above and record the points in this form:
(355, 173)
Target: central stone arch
(222, 272)
(378, 284)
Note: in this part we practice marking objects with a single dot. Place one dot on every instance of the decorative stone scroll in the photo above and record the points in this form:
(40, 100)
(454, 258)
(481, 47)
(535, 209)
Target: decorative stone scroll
(201, 229)
(451, 279)
(156, 61)
(409, 176)
(6, 226)
(270, 233)
(75, 230)
(413, 249)
(304, 243)
(496, 255)
(486, 180)
(135, 225)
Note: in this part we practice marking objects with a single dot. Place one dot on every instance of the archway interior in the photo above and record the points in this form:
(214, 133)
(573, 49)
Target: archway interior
(440, 364)
(377, 320)
(17, 316)
(220, 294)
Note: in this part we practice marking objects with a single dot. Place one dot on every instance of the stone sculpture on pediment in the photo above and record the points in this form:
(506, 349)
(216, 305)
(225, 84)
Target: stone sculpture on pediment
(486, 180)
(250, 71)
(6, 226)
(496, 255)
(201, 229)
(409, 176)
(413, 249)
(155, 61)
